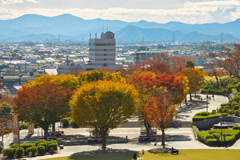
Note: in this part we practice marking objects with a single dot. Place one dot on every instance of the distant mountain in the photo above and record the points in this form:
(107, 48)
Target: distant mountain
(38, 28)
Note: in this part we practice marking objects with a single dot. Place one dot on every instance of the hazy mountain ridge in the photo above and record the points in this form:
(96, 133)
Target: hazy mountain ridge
(28, 27)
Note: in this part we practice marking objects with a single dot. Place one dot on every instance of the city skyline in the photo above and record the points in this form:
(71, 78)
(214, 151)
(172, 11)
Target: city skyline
(160, 11)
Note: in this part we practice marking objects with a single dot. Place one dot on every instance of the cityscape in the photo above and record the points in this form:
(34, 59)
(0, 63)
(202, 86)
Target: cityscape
(122, 80)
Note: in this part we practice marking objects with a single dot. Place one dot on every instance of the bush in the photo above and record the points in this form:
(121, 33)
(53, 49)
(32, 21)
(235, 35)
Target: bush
(21, 151)
(73, 124)
(214, 112)
(9, 152)
(65, 122)
(23, 125)
(24, 145)
(32, 149)
(224, 114)
(54, 145)
(41, 150)
(210, 137)
(200, 116)
(236, 127)
(1, 149)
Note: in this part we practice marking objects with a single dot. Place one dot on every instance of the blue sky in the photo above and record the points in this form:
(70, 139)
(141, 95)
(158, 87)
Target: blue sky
(161, 11)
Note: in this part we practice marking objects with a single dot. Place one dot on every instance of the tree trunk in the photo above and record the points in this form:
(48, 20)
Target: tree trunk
(190, 96)
(53, 128)
(186, 100)
(104, 142)
(45, 132)
(2, 141)
(163, 138)
(217, 81)
(147, 126)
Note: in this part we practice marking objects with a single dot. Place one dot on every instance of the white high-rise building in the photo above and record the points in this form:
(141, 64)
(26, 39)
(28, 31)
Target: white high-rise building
(102, 51)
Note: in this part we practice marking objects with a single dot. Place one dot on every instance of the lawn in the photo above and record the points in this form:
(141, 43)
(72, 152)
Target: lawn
(210, 154)
(207, 78)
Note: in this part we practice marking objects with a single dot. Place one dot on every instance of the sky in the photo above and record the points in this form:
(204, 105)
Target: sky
(160, 11)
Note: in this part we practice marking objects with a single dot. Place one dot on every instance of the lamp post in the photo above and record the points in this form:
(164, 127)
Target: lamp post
(221, 130)
(207, 102)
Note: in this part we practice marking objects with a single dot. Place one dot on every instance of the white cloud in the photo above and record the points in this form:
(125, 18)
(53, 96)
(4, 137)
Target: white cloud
(198, 12)
(4, 2)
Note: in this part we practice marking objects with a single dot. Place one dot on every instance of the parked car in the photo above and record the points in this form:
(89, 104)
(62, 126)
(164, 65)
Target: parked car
(94, 139)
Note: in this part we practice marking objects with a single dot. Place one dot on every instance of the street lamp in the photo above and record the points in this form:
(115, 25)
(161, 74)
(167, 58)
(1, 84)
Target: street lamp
(221, 130)
(207, 102)
(18, 136)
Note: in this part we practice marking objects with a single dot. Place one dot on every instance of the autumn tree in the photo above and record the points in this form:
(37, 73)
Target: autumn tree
(160, 110)
(103, 105)
(146, 84)
(196, 78)
(43, 104)
(93, 76)
(230, 61)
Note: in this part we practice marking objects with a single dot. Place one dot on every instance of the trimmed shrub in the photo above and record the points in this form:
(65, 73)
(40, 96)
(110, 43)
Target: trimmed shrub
(21, 151)
(236, 127)
(54, 145)
(41, 150)
(224, 114)
(210, 137)
(65, 122)
(32, 149)
(24, 145)
(9, 152)
(214, 112)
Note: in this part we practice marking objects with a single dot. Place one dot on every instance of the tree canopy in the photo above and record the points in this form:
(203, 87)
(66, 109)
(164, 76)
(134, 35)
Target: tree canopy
(103, 105)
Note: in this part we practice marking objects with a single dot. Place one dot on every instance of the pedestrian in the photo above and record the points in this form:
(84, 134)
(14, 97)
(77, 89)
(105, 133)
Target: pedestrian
(135, 156)
(213, 96)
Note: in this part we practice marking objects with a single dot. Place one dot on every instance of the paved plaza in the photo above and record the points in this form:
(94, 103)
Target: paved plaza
(75, 143)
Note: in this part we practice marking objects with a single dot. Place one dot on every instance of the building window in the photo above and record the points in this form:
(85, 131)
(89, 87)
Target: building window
(105, 49)
(105, 54)
(105, 64)
(105, 59)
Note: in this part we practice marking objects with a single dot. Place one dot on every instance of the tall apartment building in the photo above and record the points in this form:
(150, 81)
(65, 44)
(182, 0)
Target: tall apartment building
(102, 51)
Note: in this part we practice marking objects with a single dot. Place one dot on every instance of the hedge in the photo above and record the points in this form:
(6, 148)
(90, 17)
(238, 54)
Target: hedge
(32, 149)
(1, 149)
(24, 145)
(210, 137)
(41, 150)
(21, 151)
(206, 115)
(236, 127)
(9, 152)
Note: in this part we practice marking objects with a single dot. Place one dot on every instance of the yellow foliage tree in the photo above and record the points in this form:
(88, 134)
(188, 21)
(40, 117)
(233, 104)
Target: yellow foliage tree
(196, 78)
(103, 105)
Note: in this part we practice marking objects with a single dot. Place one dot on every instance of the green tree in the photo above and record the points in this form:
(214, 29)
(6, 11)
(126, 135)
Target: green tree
(190, 64)
(103, 105)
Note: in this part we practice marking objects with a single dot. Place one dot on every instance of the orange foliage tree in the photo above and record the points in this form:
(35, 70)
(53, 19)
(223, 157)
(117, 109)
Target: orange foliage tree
(160, 111)
(146, 84)
(43, 104)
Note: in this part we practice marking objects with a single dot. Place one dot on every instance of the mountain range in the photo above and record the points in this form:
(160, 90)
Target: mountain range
(68, 27)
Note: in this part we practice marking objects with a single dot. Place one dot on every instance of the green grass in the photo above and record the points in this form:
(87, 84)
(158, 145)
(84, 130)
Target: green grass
(210, 154)
(207, 78)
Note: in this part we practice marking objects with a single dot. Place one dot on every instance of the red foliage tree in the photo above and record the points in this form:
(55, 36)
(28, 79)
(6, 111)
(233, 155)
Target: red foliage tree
(44, 104)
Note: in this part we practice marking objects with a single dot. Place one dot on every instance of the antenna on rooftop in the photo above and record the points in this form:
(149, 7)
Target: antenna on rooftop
(143, 40)
(96, 35)
(90, 36)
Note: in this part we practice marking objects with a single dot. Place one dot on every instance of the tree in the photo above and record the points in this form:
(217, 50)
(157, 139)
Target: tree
(5, 119)
(160, 110)
(190, 64)
(196, 78)
(230, 61)
(93, 76)
(43, 104)
(146, 83)
(103, 105)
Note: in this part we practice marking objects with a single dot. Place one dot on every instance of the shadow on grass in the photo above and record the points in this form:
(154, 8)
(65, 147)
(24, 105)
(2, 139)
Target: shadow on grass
(110, 154)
